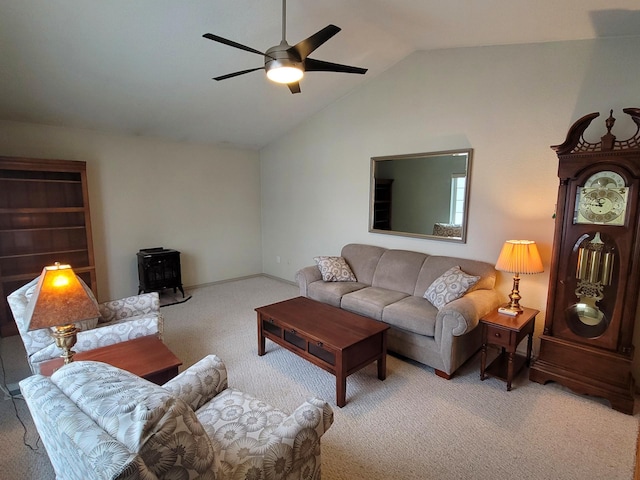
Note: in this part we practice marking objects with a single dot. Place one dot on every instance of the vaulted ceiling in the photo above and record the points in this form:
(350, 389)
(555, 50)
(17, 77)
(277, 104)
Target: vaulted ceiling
(142, 67)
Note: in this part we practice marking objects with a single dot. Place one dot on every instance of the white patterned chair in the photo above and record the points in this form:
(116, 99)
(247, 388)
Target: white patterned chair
(119, 321)
(99, 422)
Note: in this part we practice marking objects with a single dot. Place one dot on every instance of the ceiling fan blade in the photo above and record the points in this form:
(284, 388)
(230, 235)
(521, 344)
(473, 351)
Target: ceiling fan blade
(294, 87)
(231, 43)
(311, 65)
(308, 45)
(235, 74)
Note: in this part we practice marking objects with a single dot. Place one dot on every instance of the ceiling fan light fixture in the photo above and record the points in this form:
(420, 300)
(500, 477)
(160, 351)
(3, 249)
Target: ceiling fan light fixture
(285, 74)
(286, 64)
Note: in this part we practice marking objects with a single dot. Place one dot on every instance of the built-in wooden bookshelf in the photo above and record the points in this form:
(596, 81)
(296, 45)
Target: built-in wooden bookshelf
(44, 218)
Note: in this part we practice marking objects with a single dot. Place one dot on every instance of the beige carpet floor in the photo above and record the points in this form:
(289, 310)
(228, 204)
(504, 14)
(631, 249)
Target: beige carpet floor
(413, 425)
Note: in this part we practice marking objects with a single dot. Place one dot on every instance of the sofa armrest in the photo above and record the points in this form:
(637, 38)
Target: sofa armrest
(129, 307)
(307, 275)
(463, 315)
(200, 382)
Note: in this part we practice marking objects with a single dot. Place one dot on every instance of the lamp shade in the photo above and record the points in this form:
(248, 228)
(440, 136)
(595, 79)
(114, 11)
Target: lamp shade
(519, 256)
(59, 299)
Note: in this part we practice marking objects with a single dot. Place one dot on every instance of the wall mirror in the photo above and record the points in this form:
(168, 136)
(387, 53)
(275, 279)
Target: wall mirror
(422, 195)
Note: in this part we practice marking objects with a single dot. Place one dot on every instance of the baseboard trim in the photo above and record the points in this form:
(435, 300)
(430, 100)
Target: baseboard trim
(273, 277)
(235, 279)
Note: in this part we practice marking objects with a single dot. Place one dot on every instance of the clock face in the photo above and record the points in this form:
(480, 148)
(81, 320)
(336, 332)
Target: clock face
(603, 200)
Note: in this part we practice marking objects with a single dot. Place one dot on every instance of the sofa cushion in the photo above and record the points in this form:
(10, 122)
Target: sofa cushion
(332, 292)
(363, 260)
(450, 286)
(370, 301)
(334, 269)
(414, 314)
(398, 270)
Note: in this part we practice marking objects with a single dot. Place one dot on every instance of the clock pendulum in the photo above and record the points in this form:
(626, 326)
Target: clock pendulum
(594, 278)
(593, 273)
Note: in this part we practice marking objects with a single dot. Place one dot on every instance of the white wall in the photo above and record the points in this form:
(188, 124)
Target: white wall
(508, 103)
(201, 200)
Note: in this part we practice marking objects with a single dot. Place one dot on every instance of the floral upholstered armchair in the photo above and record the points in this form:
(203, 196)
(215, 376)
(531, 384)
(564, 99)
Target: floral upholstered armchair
(99, 422)
(119, 321)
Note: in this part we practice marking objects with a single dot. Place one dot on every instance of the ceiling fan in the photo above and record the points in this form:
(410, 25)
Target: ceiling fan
(285, 63)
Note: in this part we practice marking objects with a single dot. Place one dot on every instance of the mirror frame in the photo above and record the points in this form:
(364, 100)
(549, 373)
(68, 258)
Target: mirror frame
(426, 155)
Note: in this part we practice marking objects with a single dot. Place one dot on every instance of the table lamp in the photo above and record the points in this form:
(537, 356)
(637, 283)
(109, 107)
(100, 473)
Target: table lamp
(518, 256)
(60, 300)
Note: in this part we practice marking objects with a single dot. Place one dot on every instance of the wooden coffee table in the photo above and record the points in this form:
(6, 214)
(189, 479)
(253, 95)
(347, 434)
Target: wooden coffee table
(335, 340)
(146, 357)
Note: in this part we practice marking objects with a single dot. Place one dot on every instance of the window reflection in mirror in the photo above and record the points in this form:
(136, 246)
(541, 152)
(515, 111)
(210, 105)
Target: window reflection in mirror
(421, 194)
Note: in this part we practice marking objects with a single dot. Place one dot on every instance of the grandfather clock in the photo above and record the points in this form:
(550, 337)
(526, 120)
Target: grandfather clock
(595, 267)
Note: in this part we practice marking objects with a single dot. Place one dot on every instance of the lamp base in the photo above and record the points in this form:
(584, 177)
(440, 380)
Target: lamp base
(65, 337)
(514, 296)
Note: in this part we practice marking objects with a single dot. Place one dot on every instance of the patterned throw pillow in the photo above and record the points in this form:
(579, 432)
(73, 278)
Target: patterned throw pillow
(451, 285)
(335, 269)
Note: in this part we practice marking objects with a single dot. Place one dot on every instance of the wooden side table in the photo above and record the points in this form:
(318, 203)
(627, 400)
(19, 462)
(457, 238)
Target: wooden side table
(146, 357)
(506, 332)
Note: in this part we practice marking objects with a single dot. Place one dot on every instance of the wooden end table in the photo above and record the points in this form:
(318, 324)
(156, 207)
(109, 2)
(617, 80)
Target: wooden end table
(506, 332)
(335, 340)
(146, 357)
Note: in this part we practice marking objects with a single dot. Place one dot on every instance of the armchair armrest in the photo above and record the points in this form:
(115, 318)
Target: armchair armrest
(200, 382)
(298, 435)
(128, 307)
(314, 413)
(307, 275)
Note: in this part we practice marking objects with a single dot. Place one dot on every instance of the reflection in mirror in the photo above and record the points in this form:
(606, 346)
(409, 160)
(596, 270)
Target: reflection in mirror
(421, 195)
